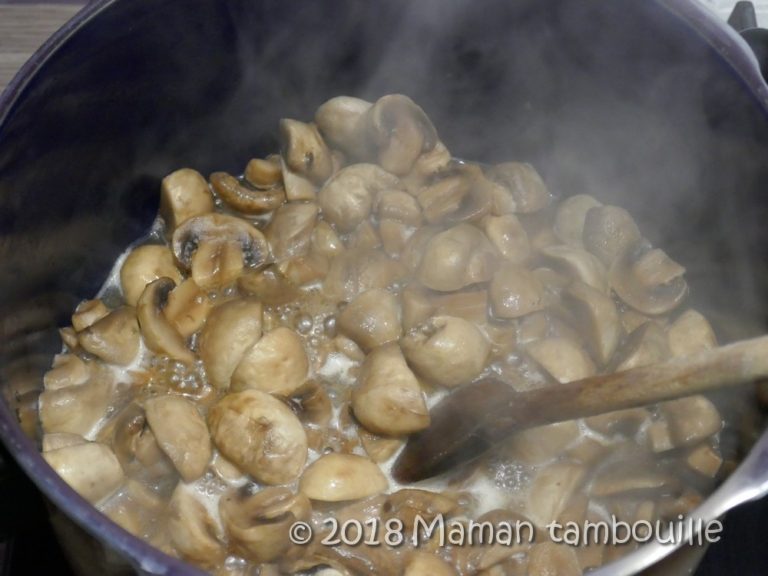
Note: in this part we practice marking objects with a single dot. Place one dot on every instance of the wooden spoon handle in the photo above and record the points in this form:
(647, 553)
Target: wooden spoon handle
(473, 418)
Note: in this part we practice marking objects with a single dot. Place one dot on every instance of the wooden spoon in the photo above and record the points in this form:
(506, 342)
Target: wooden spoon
(475, 417)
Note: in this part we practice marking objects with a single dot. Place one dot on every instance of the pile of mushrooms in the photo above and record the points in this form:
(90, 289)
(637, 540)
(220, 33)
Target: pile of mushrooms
(273, 351)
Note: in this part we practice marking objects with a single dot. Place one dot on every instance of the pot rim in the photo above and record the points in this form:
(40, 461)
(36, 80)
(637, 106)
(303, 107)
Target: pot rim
(147, 559)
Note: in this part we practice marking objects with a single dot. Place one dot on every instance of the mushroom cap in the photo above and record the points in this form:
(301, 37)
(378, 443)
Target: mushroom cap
(562, 358)
(304, 151)
(456, 258)
(340, 477)
(570, 217)
(143, 265)
(340, 121)
(609, 231)
(184, 194)
(515, 291)
(371, 319)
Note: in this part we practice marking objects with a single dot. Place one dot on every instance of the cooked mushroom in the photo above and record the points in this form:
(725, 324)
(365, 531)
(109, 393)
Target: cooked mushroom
(260, 435)
(705, 460)
(578, 264)
(67, 370)
(91, 469)
(457, 257)
(340, 477)
(371, 319)
(596, 317)
(562, 358)
(231, 330)
(181, 433)
(400, 132)
(184, 195)
(552, 489)
(388, 399)
(290, 230)
(304, 150)
(636, 477)
(325, 241)
(316, 408)
(159, 335)
(258, 524)
(570, 216)
(426, 564)
(347, 197)
(276, 364)
(520, 188)
(646, 345)
(445, 196)
(340, 121)
(264, 172)
(394, 236)
(268, 285)
(364, 237)
(216, 247)
(114, 338)
(244, 198)
(137, 448)
(76, 409)
(88, 312)
(355, 271)
(446, 350)
(379, 448)
(297, 188)
(143, 265)
(427, 166)
(691, 419)
(515, 291)
(538, 445)
(413, 251)
(609, 232)
(549, 558)
(470, 304)
(508, 237)
(648, 280)
(194, 532)
(690, 333)
(58, 440)
(398, 205)
(187, 308)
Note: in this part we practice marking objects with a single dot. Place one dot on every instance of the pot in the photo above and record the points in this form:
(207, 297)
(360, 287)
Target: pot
(654, 106)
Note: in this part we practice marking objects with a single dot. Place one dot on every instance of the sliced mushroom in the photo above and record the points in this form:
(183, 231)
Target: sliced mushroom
(578, 264)
(470, 304)
(143, 265)
(67, 370)
(515, 291)
(297, 188)
(264, 172)
(304, 150)
(388, 399)
(316, 408)
(413, 251)
(181, 433)
(408, 504)
(137, 448)
(626, 422)
(570, 217)
(400, 132)
(76, 409)
(609, 232)
(371, 319)
(341, 122)
(347, 197)
(88, 312)
(231, 330)
(520, 188)
(690, 333)
(549, 558)
(91, 469)
(646, 345)
(552, 489)
(356, 271)
(691, 419)
(426, 564)
(394, 236)
(268, 285)
(508, 237)
(398, 205)
(538, 445)
(217, 247)
(290, 230)
(260, 435)
(705, 460)
(187, 308)
(115, 338)
(258, 524)
(446, 350)
(364, 237)
(597, 318)
(58, 440)
(379, 448)
(340, 477)
(184, 194)
(444, 196)
(649, 281)
(244, 198)
(427, 166)
(635, 477)
(159, 335)
(456, 258)
(325, 241)
(276, 364)
(562, 358)
(417, 307)
(193, 531)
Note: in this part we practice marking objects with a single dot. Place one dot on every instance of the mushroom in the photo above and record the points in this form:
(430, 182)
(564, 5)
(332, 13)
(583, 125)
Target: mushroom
(297, 188)
(538, 445)
(426, 564)
(276, 364)
(58, 440)
(88, 312)
(315, 405)
(159, 335)
(470, 304)
(187, 308)
(264, 173)
(387, 399)
(268, 285)
(704, 459)
(578, 264)
(646, 345)
(364, 237)
(552, 489)
(115, 338)
(508, 237)
(413, 251)
(181, 433)
(290, 230)
(456, 258)
(690, 333)
(137, 448)
(347, 197)
(76, 409)
(427, 166)
(244, 198)
(324, 240)
(394, 236)
(193, 531)
(626, 422)
(304, 150)
(596, 317)
(632, 477)
(691, 419)
(216, 247)
(258, 524)
(340, 477)
(90, 468)
(549, 558)
(260, 435)
(371, 319)
(67, 370)
(379, 448)
(231, 330)
(184, 194)
(519, 188)
(400, 132)
(398, 205)
(355, 271)
(648, 280)
(340, 121)
(408, 504)
(446, 350)
(609, 232)
(570, 216)
(444, 196)
(143, 265)
(515, 291)
(562, 358)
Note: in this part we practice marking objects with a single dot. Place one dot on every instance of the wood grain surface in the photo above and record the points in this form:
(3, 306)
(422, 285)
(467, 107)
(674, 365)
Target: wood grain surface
(23, 28)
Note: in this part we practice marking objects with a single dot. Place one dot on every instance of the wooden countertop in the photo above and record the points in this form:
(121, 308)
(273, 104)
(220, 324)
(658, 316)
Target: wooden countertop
(23, 28)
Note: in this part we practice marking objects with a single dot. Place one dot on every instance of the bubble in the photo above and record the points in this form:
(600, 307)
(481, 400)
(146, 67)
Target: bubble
(304, 323)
